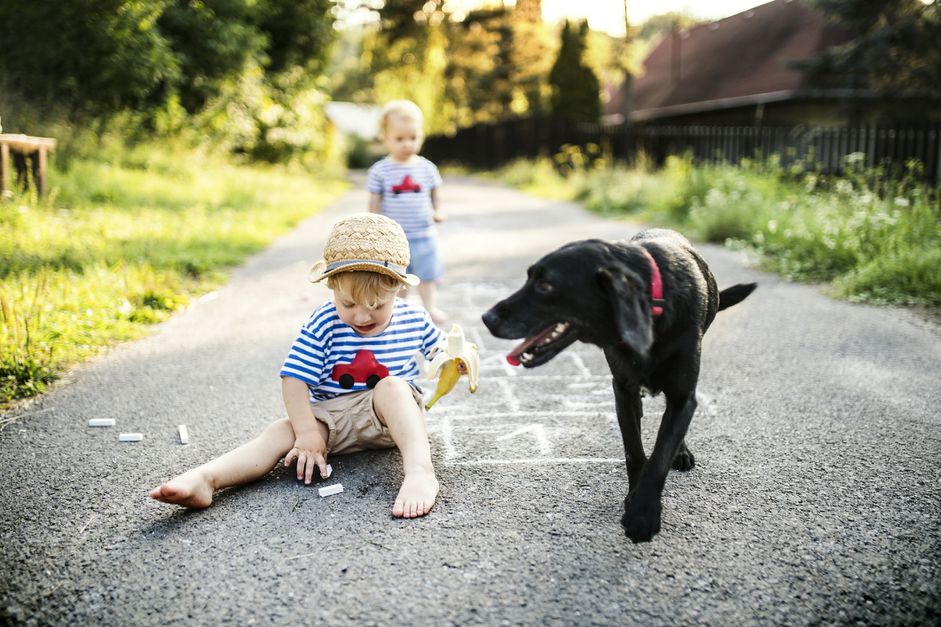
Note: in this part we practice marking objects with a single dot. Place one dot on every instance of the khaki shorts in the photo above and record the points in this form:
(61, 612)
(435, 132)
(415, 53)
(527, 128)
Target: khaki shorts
(353, 423)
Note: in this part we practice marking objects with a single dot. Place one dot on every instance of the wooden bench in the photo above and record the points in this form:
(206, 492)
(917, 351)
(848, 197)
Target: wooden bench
(29, 153)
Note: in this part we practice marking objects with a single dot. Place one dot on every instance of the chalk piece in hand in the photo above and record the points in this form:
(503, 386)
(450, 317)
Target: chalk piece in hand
(130, 437)
(101, 422)
(330, 490)
(184, 435)
(329, 470)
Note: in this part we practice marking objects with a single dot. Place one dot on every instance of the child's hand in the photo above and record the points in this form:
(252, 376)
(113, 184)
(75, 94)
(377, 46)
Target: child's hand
(439, 216)
(311, 452)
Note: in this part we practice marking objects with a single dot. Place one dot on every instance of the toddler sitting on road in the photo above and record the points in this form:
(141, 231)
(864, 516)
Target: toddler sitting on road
(348, 380)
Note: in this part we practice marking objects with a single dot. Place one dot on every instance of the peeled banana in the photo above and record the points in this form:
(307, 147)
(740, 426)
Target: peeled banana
(453, 357)
(446, 381)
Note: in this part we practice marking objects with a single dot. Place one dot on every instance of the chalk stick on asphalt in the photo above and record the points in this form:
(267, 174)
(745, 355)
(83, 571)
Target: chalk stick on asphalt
(130, 437)
(184, 435)
(330, 490)
(101, 422)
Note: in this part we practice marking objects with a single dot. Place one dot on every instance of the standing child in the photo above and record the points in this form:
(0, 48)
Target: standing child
(348, 380)
(404, 186)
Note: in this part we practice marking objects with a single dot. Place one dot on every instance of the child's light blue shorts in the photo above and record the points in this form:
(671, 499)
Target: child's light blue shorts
(425, 261)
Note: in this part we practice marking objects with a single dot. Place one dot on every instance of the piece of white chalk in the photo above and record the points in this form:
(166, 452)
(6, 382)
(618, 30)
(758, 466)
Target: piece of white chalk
(101, 422)
(130, 437)
(329, 470)
(330, 490)
(184, 435)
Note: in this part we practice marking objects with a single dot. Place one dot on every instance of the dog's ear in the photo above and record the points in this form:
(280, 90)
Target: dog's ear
(628, 307)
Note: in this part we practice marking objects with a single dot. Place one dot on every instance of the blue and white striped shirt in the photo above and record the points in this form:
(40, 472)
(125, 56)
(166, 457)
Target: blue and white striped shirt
(406, 193)
(325, 342)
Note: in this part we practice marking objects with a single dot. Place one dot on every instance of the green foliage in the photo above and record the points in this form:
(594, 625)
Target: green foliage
(539, 177)
(872, 239)
(212, 41)
(165, 67)
(479, 67)
(664, 23)
(359, 156)
(298, 33)
(90, 56)
(893, 47)
(575, 86)
(123, 244)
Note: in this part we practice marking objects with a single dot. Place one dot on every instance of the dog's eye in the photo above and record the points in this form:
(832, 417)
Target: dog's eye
(543, 286)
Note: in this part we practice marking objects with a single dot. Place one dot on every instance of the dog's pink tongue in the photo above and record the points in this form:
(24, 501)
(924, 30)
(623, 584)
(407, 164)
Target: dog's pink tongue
(514, 357)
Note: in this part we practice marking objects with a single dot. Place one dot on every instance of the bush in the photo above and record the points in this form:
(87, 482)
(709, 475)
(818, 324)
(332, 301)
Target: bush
(120, 245)
(876, 238)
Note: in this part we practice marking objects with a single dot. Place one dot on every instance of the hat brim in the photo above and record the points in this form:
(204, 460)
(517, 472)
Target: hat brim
(319, 272)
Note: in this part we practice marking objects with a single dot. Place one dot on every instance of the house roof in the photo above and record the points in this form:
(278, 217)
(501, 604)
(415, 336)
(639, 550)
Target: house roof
(742, 59)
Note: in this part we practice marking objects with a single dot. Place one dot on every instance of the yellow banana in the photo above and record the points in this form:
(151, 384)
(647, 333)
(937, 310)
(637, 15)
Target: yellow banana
(450, 373)
(453, 356)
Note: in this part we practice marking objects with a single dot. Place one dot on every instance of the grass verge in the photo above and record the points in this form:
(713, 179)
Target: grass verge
(869, 237)
(118, 246)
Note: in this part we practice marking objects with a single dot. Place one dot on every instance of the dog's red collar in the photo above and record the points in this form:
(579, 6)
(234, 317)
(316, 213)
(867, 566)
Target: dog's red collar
(656, 285)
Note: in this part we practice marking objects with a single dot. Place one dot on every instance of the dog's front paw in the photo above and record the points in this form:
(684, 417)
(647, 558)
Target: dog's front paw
(641, 521)
(684, 460)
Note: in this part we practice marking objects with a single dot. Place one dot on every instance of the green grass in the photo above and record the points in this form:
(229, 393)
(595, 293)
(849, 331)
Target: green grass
(118, 246)
(869, 237)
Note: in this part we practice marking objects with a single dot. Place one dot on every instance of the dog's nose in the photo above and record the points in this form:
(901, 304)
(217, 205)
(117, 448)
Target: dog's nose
(491, 318)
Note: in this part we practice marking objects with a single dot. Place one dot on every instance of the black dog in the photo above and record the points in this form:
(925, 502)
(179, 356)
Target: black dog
(647, 302)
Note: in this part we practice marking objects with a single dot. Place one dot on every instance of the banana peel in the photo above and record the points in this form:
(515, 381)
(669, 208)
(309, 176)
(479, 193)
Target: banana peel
(451, 358)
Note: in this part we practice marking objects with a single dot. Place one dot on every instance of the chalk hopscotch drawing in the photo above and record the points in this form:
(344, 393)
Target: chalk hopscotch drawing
(525, 417)
(562, 413)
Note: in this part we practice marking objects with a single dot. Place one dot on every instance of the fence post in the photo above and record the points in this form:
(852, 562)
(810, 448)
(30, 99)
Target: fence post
(937, 161)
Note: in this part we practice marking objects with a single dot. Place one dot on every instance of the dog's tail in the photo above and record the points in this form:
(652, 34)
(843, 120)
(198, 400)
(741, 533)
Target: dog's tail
(735, 294)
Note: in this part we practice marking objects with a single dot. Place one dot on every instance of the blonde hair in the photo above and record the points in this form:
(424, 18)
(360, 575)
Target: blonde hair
(403, 109)
(370, 289)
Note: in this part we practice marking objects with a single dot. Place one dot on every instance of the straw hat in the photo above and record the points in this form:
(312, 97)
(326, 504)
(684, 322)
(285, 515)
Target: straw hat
(366, 241)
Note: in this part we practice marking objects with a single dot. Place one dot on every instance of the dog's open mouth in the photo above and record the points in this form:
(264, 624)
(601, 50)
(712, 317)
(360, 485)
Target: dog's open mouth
(543, 346)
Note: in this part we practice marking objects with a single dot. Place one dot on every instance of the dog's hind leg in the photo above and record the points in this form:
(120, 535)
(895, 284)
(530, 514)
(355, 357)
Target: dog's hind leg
(642, 507)
(684, 461)
(630, 410)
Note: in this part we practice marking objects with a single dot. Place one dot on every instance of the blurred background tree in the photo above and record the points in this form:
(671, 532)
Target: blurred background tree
(85, 57)
(233, 67)
(894, 50)
(407, 56)
(482, 66)
(575, 86)
(252, 76)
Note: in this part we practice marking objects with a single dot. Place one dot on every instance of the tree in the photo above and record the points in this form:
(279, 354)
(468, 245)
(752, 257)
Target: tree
(98, 57)
(575, 86)
(406, 57)
(893, 48)
(84, 56)
(480, 67)
(664, 24)
(212, 41)
(531, 59)
(299, 34)
(217, 40)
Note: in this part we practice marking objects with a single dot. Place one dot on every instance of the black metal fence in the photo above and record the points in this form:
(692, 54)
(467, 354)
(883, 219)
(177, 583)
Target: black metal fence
(823, 148)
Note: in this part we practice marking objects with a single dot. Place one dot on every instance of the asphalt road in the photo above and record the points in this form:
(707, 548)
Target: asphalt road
(816, 498)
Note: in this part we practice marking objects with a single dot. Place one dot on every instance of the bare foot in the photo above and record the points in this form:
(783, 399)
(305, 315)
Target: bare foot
(191, 489)
(417, 495)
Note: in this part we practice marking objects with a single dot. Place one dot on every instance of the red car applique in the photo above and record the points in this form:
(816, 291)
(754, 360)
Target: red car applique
(407, 185)
(363, 369)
